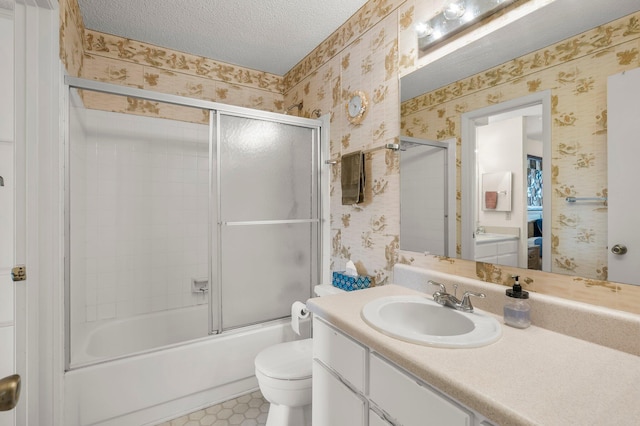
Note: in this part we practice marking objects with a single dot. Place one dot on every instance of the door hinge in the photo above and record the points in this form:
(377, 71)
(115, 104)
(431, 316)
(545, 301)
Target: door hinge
(19, 273)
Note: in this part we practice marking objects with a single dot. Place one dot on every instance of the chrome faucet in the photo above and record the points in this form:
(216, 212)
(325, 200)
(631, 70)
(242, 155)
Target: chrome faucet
(450, 300)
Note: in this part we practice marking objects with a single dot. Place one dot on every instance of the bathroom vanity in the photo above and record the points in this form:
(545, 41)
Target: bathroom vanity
(500, 249)
(355, 385)
(531, 376)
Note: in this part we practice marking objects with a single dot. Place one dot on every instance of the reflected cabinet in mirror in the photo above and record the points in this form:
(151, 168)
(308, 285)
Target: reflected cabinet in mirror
(534, 188)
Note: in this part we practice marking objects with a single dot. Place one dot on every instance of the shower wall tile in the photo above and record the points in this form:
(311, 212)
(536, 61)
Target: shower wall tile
(141, 185)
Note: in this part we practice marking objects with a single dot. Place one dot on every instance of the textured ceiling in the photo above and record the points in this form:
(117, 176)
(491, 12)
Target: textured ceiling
(266, 35)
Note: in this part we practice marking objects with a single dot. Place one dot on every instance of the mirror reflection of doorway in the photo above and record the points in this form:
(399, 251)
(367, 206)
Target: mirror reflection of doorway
(506, 138)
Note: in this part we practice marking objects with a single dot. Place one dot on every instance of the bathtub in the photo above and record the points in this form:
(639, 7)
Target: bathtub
(157, 385)
(139, 334)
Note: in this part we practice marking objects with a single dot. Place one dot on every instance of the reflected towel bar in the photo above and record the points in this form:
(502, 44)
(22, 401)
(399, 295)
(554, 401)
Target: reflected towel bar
(575, 199)
(391, 146)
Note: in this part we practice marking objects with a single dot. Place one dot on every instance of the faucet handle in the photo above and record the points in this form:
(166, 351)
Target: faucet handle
(443, 289)
(466, 305)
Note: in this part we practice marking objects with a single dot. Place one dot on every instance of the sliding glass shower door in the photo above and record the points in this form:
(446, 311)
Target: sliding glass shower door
(183, 218)
(268, 218)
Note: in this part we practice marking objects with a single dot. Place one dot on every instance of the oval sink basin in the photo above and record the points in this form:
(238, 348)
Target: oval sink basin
(417, 319)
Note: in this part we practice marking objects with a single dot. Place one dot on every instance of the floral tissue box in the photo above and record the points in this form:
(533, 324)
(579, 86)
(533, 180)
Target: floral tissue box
(349, 282)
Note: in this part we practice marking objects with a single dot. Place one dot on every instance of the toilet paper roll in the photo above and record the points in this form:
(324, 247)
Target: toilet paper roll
(298, 312)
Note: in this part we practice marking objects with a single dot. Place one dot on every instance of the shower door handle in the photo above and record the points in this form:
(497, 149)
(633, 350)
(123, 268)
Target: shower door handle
(9, 392)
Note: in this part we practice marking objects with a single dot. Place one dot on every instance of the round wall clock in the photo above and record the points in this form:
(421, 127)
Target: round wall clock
(357, 107)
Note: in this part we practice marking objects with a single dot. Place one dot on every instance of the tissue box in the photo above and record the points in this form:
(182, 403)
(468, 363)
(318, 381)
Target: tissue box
(348, 282)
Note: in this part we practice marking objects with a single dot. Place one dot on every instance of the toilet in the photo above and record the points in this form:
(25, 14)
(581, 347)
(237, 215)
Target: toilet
(284, 377)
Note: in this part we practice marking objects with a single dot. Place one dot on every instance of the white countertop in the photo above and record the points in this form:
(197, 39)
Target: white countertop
(494, 238)
(530, 376)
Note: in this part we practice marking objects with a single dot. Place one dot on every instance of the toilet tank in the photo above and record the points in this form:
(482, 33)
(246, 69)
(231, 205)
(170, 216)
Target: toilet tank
(326, 290)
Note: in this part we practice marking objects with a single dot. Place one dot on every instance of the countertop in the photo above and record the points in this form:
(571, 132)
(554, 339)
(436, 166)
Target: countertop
(529, 377)
(494, 238)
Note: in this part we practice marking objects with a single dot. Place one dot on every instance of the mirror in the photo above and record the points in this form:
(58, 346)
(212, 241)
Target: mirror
(564, 59)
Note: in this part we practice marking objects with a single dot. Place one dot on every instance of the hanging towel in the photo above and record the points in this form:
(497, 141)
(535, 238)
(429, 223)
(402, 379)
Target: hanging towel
(491, 199)
(352, 178)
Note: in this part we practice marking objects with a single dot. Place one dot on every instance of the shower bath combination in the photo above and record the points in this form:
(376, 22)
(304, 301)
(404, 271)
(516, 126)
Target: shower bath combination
(158, 231)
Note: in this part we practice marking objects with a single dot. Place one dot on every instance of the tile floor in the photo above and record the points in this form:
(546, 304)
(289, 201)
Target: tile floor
(246, 410)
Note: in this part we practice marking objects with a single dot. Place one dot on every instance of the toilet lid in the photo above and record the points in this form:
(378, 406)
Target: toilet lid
(286, 361)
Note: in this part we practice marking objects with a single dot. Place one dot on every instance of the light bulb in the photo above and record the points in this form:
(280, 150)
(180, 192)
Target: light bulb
(423, 29)
(454, 10)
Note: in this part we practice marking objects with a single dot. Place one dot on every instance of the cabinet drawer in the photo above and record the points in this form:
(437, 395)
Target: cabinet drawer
(411, 403)
(485, 250)
(333, 403)
(510, 259)
(340, 353)
(506, 247)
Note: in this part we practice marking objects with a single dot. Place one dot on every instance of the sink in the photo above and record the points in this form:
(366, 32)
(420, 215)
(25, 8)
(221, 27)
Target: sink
(420, 320)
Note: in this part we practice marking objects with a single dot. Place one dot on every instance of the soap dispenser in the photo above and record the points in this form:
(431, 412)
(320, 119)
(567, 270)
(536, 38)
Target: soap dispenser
(516, 308)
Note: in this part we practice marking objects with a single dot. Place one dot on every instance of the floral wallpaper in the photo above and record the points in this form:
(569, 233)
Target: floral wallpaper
(368, 53)
(361, 55)
(112, 59)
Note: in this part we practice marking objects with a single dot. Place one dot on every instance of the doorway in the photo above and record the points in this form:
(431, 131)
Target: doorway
(487, 135)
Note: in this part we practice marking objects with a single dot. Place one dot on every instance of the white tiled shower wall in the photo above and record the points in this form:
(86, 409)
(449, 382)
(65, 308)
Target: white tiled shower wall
(139, 215)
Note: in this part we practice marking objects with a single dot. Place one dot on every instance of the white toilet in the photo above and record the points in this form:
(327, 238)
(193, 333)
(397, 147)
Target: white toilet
(284, 377)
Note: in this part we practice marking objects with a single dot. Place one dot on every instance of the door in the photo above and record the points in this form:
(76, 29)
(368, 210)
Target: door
(268, 217)
(7, 212)
(427, 196)
(623, 144)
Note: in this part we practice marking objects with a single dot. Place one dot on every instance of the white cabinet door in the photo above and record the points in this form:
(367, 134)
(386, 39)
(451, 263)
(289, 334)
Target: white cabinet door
(333, 403)
(623, 145)
(344, 355)
(376, 420)
(411, 403)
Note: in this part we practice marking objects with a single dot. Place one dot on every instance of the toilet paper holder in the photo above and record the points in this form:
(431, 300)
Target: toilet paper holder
(299, 312)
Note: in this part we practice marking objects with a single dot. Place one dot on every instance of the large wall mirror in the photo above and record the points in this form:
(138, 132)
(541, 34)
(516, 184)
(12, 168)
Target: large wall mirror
(544, 75)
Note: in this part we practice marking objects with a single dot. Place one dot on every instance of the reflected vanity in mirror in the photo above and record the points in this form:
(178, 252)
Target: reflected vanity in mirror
(562, 70)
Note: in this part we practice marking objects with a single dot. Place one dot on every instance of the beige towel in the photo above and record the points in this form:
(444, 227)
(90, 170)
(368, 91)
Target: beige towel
(490, 199)
(352, 178)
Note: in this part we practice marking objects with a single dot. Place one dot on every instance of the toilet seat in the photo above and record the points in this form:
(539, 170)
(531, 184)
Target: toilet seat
(286, 361)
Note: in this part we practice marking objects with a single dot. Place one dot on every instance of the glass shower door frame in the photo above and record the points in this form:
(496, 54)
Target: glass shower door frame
(319, 182)
(321, 132)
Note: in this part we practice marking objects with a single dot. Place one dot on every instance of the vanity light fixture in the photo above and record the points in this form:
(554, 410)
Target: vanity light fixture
(454, 17)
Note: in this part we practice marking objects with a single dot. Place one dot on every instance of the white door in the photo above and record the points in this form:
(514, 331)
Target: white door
(7, 210)
(623, 145)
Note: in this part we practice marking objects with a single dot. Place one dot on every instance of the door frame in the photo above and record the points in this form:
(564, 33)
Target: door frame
(468, 122)
(38, 217)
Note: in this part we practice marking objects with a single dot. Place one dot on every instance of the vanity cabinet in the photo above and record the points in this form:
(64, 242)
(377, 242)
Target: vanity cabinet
(498, 252)
(339, 378)
(335, 403)
(409, 400)
(353, 385)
